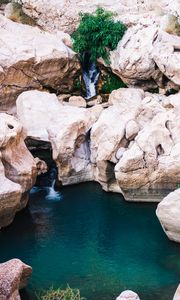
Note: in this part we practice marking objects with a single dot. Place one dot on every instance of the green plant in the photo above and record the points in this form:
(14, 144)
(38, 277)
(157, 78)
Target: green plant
(60, 294)
(97, 34)
(110, 83)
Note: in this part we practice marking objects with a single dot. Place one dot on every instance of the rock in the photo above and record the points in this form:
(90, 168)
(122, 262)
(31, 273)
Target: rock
(132, 61)
(128, 295)
(69, 135)
(41, 166)
(17, 169)
(168, 211)
(177, 294)
(64, 15)
(144, 157)
(166, 54)
(77, 101)
(14, 12)
(170, 24)
(14, 275)
(40, 60)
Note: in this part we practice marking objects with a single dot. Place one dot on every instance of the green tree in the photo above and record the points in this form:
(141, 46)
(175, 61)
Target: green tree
(97, 34)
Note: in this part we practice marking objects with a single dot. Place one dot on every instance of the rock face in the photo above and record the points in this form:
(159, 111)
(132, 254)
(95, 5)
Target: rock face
(31, 58)
(17, 169)
(168, 212)
(177, 294)
(64, 15)
(14, 275)
(128, 295)
(66, 127)
(135, 144)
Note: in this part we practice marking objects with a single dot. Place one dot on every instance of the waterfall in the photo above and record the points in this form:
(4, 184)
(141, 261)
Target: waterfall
(46, 184)
(90, 76)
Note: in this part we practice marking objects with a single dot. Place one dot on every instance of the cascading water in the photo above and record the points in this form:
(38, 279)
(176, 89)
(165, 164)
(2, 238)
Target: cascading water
(47, 184)
(90, 76)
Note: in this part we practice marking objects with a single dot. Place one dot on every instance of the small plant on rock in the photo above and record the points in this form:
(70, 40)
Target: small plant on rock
(61, 294)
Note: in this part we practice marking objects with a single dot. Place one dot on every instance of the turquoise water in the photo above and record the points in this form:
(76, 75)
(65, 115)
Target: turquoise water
(94, 241)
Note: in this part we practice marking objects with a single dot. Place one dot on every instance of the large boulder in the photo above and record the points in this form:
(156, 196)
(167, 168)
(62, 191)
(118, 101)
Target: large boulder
(14, 275)
(135, 144)
(31, 58)
(168, 211)
(65, 127)
(17, 169)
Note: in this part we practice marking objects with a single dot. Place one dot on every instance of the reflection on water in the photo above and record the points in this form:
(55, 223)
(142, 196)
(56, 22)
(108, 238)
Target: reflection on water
(95, 241)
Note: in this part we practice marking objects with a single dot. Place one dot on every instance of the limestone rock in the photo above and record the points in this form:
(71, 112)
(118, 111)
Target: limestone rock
(66, 127)
(177, 294)
(170, 24)
(168, 211)
(14, 275)
(132, 61)
(166, 55)
(31, 58)
(64, 15)
(146, 162)
(14, 12)
(77, 101)
(128, 295)
(17, 169)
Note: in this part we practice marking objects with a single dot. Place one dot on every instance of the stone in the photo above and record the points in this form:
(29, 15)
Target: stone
(64, 15)
(128, 295)
(170, 24)
(133, 61)
(177, 294)
(41, 166)
(166, 54)
(145, 162)
(40, 60)
(77, 101)
(14, 275)
(14, 12)
(17, 169)
(168, 211)
(69, 135)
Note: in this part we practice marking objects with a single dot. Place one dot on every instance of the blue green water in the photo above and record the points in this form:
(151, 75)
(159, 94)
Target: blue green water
(94, 241)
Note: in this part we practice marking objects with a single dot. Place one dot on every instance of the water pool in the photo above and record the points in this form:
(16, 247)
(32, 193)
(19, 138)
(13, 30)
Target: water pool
(94, 241)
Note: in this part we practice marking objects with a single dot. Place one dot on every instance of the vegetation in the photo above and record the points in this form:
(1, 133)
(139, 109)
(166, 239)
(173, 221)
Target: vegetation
(60, 294)
(97, 34)
(111, 83)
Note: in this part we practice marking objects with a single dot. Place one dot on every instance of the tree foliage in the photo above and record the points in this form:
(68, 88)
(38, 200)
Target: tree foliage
(97, 34)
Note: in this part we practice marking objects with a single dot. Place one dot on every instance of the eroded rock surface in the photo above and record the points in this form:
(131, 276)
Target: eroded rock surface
(31, 58)
(66, 127)
(128, 295)
(136, 141)
(168, 211)
(17, 169)
(14, 275)
(64, 15)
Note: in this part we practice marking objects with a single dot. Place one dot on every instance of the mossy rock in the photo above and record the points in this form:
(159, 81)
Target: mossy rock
(171, 24)
(14, 12)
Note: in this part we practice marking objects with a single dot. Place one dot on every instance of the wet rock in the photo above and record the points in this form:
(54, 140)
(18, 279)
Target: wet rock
(128, 295)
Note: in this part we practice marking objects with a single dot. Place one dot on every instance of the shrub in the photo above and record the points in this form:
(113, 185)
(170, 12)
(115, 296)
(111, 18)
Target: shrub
(97, 34)
(60, 294)
(111, 83)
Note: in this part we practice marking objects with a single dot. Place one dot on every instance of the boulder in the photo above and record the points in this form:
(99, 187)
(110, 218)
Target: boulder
(17, 169)
(128, 295)
(139, 137)
(14, 275)
(31, 58)
(166, 54)
(65, 127)
(177, 294)
(168, 211)
(77, 101)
